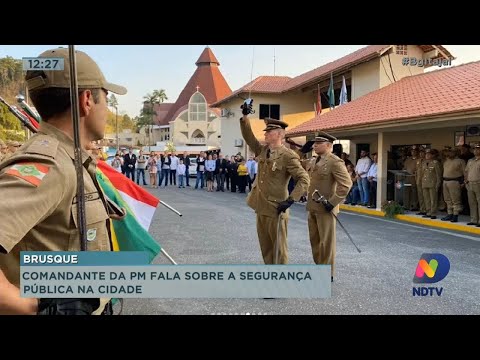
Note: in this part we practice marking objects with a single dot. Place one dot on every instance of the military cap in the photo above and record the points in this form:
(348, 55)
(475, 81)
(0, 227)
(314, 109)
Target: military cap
(89, 75)
(477, 146)
(273, 124)
(324, 137)
(428, 151)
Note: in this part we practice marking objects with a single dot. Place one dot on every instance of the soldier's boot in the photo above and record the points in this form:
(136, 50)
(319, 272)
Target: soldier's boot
(454, 218)
(448, 217)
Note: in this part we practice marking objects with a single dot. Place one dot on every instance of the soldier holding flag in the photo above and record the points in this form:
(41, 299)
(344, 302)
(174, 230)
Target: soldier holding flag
(39, 182)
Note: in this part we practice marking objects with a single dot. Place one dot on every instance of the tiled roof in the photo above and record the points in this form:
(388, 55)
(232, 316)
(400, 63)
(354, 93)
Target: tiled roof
(363, 54)
(209, 80)
(447, 91)
(281, 84)
(262, 84)
(161, 111)
(207, 57)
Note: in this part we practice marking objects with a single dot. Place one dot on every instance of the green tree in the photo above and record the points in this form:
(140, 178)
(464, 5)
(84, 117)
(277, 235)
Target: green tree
(113, 102)
(170, 147)
(11, 78)
(127, 123)
(148, 113)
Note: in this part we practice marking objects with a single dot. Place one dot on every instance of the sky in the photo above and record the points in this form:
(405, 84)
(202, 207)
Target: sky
(144, 68)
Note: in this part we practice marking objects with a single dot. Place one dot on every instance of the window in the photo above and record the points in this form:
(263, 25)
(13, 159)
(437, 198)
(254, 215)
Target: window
(197, 109)
(271, 111)
(401, 49)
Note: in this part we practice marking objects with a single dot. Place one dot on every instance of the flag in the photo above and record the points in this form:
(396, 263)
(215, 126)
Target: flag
(131, 233)
(331, 93)
(343, 92)
(318, 104)
(33, 121)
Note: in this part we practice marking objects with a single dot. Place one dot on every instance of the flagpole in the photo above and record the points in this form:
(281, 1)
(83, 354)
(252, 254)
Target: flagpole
(170, 208)
(168, 257)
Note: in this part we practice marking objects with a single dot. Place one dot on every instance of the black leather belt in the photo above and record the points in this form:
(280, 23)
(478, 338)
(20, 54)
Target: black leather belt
(459, 179)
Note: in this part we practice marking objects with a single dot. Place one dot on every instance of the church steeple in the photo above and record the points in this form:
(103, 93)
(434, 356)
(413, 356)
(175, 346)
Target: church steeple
(207, 79)
(207, 58)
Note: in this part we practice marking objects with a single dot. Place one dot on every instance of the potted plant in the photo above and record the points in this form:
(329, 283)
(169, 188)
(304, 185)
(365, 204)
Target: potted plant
(392, 208)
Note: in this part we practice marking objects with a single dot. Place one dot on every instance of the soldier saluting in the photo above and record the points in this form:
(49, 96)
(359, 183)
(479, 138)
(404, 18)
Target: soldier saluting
(269, 196)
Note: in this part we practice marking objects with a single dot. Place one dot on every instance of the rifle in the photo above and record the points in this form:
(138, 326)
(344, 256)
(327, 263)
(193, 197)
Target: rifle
(23, 119)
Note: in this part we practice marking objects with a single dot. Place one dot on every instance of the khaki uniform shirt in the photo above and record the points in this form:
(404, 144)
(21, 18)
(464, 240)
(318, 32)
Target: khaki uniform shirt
(431, 174)
(472, 170)
(38, 186)
(330, 177)
(419, 170)
(271, 184)
(453, 168)
(410, 165)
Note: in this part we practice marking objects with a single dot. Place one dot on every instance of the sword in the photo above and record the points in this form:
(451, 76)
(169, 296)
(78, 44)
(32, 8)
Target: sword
(321, 199)
(277, 241)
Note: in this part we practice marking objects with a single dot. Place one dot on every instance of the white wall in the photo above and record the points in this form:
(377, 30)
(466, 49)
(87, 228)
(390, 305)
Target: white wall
(365, 78)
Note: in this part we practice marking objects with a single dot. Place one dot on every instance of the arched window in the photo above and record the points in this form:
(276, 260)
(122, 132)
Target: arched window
(198, 137)
(197, 108)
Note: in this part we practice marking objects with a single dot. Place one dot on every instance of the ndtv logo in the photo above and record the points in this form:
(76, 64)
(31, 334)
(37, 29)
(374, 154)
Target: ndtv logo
(431, 268)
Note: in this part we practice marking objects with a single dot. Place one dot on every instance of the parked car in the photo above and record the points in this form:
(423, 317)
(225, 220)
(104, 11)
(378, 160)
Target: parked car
(192, 169)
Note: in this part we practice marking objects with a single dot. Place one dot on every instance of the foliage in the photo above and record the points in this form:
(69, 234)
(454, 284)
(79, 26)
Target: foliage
(112, 101)
(169, 147)
(11, 78)
(148, 113)
(392, 208)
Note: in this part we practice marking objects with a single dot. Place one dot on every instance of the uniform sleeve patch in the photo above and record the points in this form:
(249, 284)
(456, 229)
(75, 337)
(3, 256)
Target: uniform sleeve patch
(30, 172)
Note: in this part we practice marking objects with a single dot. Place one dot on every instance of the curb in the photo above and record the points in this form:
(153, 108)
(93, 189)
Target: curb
(416, 220)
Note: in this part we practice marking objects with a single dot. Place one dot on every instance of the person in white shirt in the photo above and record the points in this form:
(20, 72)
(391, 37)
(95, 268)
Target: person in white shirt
(117, 162)
(372, 179)
(363, 165)
(173, 169)
(181, 170)
(141, 165)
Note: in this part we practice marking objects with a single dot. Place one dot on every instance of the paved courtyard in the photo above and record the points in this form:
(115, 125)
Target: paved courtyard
(219, 228)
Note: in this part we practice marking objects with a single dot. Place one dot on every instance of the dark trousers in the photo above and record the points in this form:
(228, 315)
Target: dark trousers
(173, 177)
(220, 181)
(373, 194)
(227, 180)
(187, 176)
(165, 173)
(141, 174)
(233, 182)
(130, 173)
(242, 183)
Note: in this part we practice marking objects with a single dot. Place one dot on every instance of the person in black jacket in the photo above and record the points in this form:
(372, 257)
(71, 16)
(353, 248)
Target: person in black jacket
(129, 163)
(186, 161)
(221, 169)
(232, 170)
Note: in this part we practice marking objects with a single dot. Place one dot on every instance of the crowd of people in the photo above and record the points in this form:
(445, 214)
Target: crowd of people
(432, 181)
(214, 171)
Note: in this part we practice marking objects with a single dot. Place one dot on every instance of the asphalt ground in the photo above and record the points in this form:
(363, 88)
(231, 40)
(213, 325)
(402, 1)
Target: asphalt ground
(219, 228)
